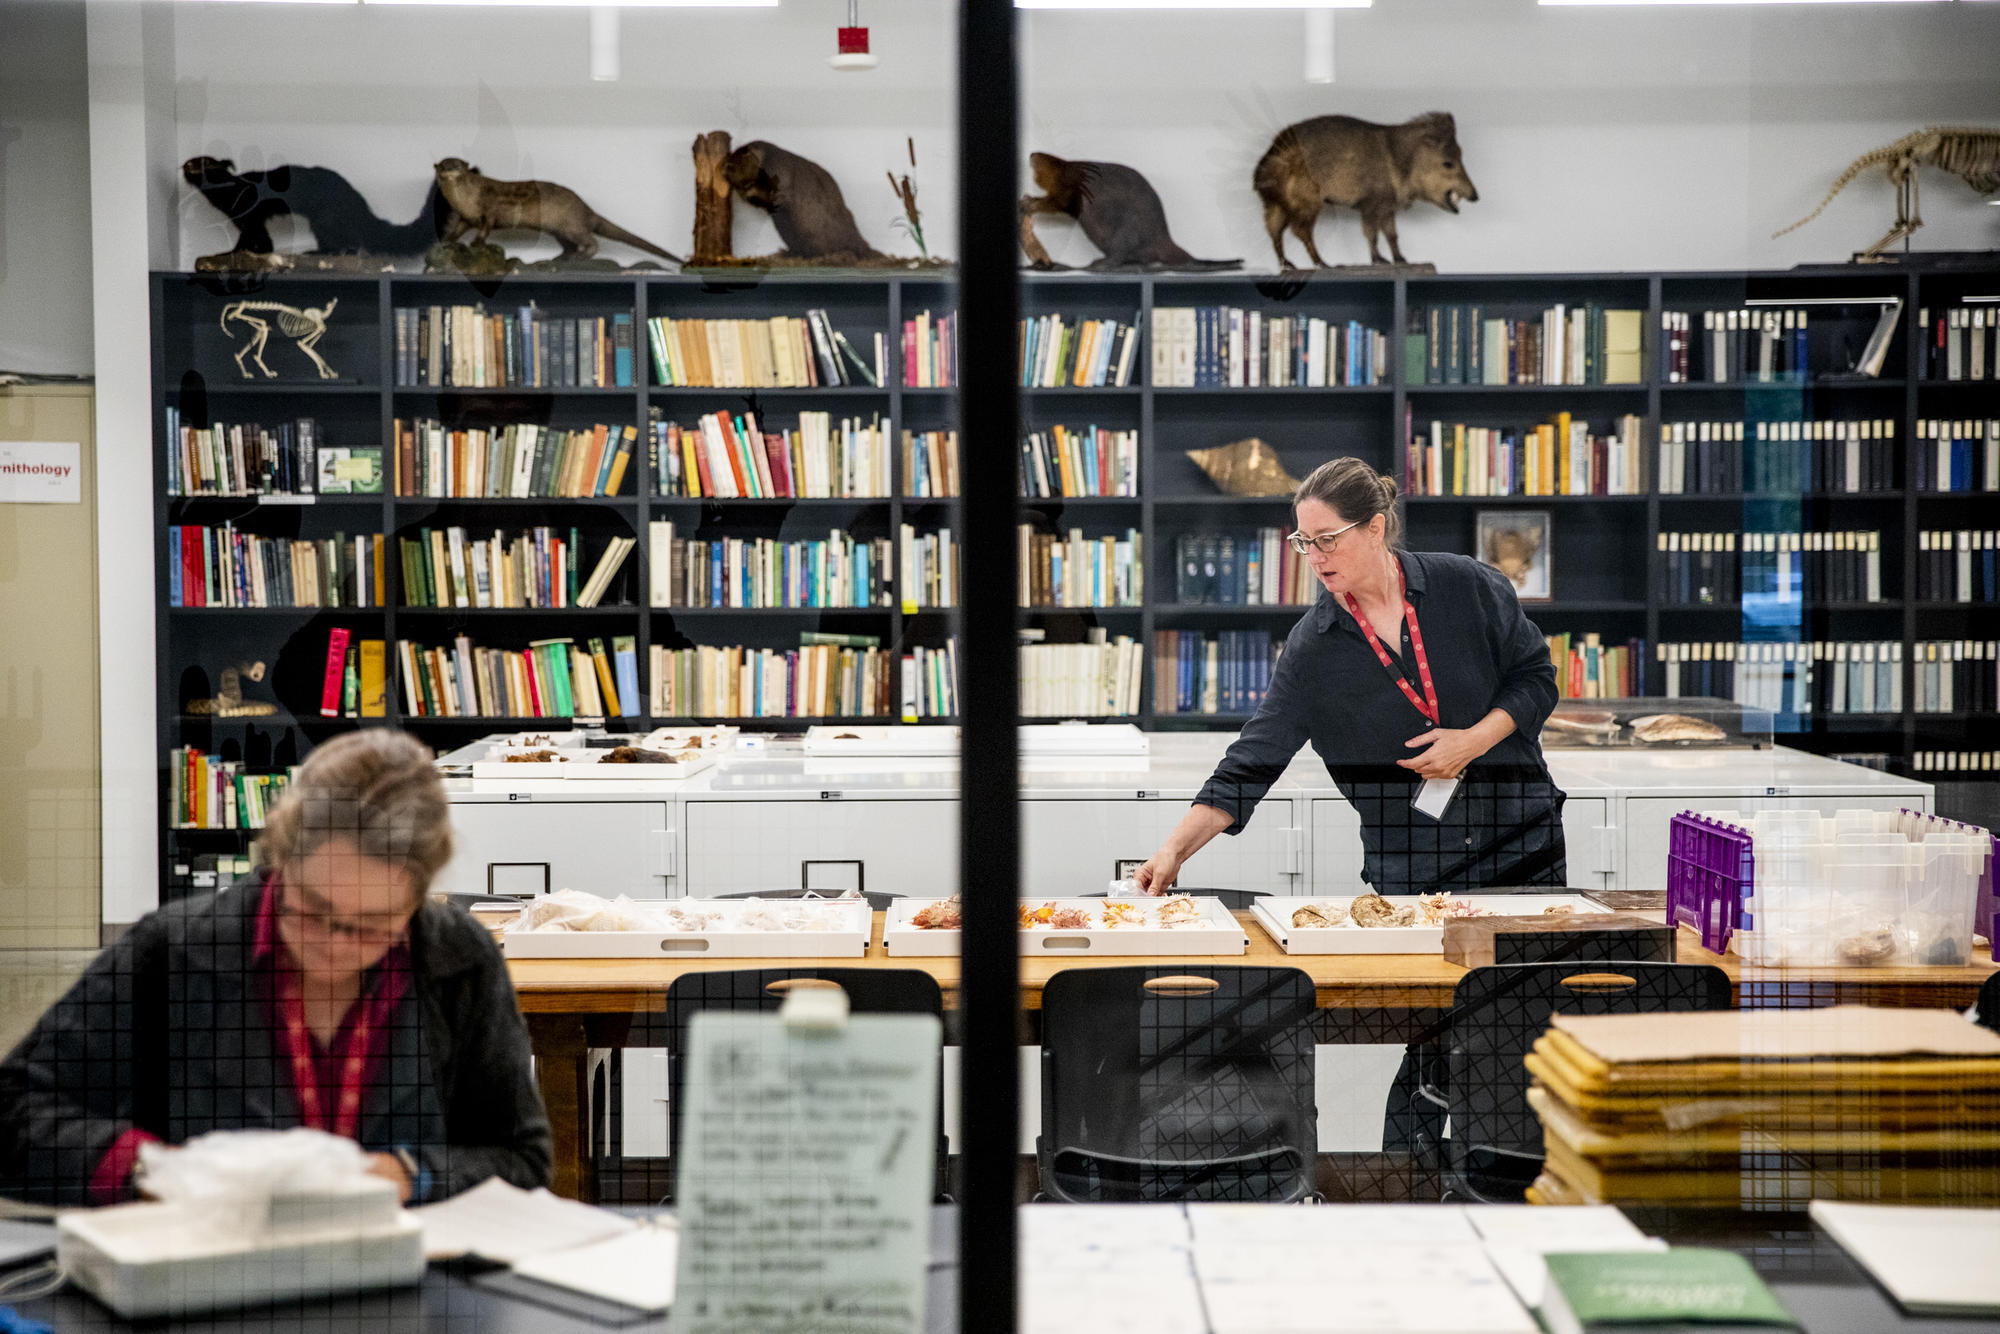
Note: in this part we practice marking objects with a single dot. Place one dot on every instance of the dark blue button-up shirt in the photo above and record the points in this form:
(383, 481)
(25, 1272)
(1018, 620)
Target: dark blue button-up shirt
(1504, 826)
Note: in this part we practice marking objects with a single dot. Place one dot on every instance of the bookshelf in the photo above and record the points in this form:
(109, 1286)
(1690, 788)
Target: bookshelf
(1603, 552)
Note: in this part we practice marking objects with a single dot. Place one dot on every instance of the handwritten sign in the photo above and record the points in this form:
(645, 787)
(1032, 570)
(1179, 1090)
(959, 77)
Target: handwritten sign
(807, 1175)
(41, 472)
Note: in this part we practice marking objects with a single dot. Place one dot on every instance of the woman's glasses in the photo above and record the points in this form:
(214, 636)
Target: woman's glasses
(316, 914)
(1326, 542)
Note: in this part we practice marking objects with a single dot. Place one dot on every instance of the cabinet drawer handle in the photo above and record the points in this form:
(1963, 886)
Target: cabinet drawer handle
(785, 984)
(1181, 985)
(1600, 982)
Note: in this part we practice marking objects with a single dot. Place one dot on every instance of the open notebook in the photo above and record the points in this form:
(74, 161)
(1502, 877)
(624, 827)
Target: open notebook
(1932, 1260)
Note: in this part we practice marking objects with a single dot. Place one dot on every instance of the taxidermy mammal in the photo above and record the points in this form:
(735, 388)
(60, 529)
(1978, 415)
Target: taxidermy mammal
(1512, 552)
(341, 221)
(803, 199)
(482, 205)
(1118, 210)
(1376, 170)
(1972, 155)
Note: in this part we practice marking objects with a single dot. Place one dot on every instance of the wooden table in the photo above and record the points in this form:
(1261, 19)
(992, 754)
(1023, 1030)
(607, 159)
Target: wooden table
(576, 1005)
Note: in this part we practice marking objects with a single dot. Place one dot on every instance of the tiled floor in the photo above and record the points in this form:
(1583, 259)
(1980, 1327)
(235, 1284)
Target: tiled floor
(30, 981)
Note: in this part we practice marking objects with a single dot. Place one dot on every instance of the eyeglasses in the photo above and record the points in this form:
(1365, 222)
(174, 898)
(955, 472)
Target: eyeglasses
(317, 914)
(1326, 542)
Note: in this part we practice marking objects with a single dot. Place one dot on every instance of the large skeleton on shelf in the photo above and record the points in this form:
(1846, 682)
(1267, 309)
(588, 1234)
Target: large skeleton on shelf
(1971, 154)
(304, 326)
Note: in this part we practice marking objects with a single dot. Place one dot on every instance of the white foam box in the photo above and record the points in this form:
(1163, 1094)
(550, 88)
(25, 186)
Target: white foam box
(875, 739)
(1082, 739)
(166, 1259)
(1217, 932)
(727, 939)
(1274, 914)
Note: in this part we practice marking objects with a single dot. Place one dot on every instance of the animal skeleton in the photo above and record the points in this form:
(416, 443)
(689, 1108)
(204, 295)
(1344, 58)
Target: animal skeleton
(305, 327)
(1972, 155)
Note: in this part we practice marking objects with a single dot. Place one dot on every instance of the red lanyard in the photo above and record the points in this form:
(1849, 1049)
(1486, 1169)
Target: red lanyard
(1428, 705)
(305, 1078)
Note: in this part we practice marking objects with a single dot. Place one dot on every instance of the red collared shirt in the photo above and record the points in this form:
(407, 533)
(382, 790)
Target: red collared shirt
(329, 1082)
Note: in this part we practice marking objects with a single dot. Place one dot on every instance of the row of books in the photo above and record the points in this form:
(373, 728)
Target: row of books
(930, 681)
(930, 463)
(930, 351)
(1754, 344)
(927, 568)
(1225, 672)
(1226, 347)
(1558, 458)
(355, 683)
(1460, 343)
(1055, 353)
(1815, 567)
(1067, 463)
(534, 568)
(850, 679)
(226, 567)
(465, 347)
(779, 352)
(1098, 678)
(211, 793)
(1242, 568)
(242, 459)
(1962, 566)
(1698, 568)
(730, 456)
(551, 678)
(1588, 668)
(1824, 677)
(525, 460)
(1852, 457)
(1961, 343)
(1958, 455)
(1955, 676)
(1071, 570)
(1982, 762)
(835, 571)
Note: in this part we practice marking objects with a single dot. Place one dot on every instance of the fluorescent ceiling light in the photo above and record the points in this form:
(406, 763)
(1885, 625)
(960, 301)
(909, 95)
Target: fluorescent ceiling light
(1193, 4)
(1738, 2)
(590, 4)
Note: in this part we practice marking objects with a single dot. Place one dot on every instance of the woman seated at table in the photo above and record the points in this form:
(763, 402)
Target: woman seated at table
(329, 993)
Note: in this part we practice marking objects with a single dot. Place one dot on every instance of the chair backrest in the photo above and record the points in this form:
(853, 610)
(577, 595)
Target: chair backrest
(1178, 1083)
(878, 899)
(1987, 1009)
(762, 990)
(1500, 1010)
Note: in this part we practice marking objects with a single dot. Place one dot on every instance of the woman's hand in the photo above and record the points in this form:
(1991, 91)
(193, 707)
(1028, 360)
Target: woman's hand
(1448, 751)
(1157, 876)
(389, 1167)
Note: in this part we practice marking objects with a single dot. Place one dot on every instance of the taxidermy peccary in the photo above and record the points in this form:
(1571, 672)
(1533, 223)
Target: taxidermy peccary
(1118, 210)
(1377, 170)
(341, 221)
(803, 199)
(482, 205)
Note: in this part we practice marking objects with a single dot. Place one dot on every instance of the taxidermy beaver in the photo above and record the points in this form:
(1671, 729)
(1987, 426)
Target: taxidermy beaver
(803, 199)
(482, 205)
(341, 221)
(1377, 170)
(1118, 210)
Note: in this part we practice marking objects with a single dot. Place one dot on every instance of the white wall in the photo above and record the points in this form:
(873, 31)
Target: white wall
(44, 189)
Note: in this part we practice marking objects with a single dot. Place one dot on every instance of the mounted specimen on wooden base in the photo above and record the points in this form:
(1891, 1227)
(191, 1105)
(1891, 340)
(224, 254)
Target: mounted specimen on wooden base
(1118, 210)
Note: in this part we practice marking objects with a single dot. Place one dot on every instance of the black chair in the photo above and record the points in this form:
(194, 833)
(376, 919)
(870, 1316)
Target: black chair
(878, 899)
(1177, 1084)
(1986, 1010)
(762, 991)
(1236, 900)
(1495, 1146)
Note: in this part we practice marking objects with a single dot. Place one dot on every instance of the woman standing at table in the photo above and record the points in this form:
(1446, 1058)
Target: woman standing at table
(329, 992)
(1410, 666)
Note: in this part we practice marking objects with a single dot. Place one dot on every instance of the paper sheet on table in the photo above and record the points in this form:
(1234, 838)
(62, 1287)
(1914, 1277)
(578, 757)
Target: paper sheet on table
(1103, 1236)
(1328, 1225)
(1930, 1259)
(1154, 1300)
(504, 1223)
(1398, 1288)
(635, 1268)
(1518, 1236)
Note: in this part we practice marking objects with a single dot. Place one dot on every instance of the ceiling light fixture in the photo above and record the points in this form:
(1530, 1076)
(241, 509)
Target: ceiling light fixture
(603, 44)
(1193, 4)
(853, 55)
(573, 4)
(1580, 3)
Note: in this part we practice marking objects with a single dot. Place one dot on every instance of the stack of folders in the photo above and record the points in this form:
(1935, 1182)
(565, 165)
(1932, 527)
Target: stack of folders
(1767, 1109)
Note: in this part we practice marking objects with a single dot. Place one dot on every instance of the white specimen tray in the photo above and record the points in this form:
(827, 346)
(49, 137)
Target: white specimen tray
(1218, 932)
(716, 737)
(163, 1259)
(586, 765)
(726, 939)
(876, 739)
(1274, 914)
(1043, 739)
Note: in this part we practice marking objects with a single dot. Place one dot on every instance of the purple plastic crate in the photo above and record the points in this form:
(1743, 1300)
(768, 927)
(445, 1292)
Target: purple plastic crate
(1985, 904)
(1710, 871)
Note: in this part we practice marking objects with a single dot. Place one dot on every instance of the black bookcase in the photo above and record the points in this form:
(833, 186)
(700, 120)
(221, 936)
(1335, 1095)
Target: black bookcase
(1603, 546)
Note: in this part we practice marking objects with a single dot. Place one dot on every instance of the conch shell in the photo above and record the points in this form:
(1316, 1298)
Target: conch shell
(1245, 468)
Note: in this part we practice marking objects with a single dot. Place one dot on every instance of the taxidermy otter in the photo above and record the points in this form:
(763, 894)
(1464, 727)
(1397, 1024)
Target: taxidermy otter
(482, 205)
(803, 199)
(1376, 170)
(1118, 210)
(341, 221)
